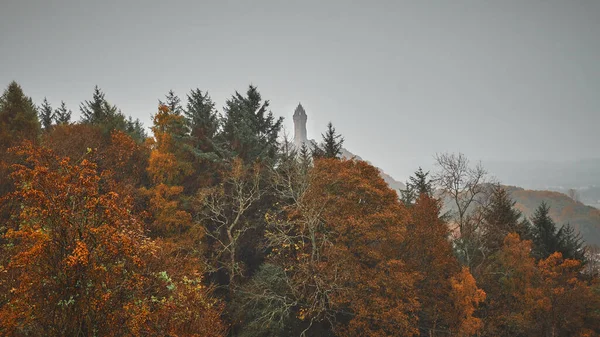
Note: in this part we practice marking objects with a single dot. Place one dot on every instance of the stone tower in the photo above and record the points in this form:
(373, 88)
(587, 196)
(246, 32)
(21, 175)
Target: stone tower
(299, 126)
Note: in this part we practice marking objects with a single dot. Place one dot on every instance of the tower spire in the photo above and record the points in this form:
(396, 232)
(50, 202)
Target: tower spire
(300, 126)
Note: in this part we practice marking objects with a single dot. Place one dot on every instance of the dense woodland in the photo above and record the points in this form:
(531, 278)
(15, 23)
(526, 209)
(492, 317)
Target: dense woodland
(215, 225)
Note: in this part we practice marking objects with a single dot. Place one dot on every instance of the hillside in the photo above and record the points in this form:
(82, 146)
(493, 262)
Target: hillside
(563, 210)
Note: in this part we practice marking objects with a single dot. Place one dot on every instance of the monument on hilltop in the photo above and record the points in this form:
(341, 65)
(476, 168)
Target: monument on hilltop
(300, 126)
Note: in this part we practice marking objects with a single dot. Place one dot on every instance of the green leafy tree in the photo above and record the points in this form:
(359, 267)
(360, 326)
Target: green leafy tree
(250, 131)
(331, 146)
(46, 114)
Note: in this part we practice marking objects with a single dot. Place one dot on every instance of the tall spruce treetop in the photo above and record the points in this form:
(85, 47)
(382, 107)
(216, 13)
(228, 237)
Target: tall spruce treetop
(416, 185)
(501, 218)
(18, 117)
(173, 102)
(544, 232)
(46, 114)
(62, 115)
(98, 110)
(201, 117)
(249, 130)
(107, 117)
(571, 243)
(331, 146)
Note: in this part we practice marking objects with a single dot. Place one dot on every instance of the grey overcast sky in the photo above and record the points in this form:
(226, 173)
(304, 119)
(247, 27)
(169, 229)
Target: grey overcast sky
(401, 80)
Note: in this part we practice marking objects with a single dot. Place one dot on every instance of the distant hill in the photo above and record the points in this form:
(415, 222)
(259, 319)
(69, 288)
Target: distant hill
(581, 175)
(563, 209)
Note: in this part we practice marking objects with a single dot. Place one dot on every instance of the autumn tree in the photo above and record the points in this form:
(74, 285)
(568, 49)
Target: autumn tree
(168, 166)
(511, 282)
(529, 298)
(441, 285)
(339, 244)
(79, 263)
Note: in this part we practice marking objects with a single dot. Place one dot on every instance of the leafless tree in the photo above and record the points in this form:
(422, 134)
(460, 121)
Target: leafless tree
(223, 214)
(467, 189)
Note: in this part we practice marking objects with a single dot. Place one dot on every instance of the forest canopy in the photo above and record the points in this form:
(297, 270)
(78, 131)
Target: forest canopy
(214, 224)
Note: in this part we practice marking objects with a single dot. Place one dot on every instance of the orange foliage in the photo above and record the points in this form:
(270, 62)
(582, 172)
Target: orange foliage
(80, 264)
(466, 297)
(536, 299)
(428, 251)
(340, 244)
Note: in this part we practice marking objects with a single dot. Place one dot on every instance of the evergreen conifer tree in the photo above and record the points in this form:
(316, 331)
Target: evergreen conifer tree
(331, 146)
(98, 111)
(173, 103)
(46, 114)
(18, 117)
(415, 186)
(62, 116)
(249, 130)
(544, 232)
(202, 119)
(571, 243)
(500, 218)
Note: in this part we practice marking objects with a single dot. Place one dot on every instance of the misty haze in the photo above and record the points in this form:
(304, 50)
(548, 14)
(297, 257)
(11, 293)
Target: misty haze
(300, 168)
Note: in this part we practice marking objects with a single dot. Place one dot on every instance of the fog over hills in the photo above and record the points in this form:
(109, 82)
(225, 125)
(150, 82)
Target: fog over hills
(560, 176)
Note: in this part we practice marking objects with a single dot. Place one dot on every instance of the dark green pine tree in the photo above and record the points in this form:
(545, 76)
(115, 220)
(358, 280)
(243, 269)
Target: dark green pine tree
(304, 157)
(135, 129)
(501, 218)
(331, 146)
(202, 120)
(18, 122)
(544, 234)
(173, 102)
(98, 111)
(415, 186)
(571, 243)
(46, 115)
(62, 116)
(249, 130)
(18, 117)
